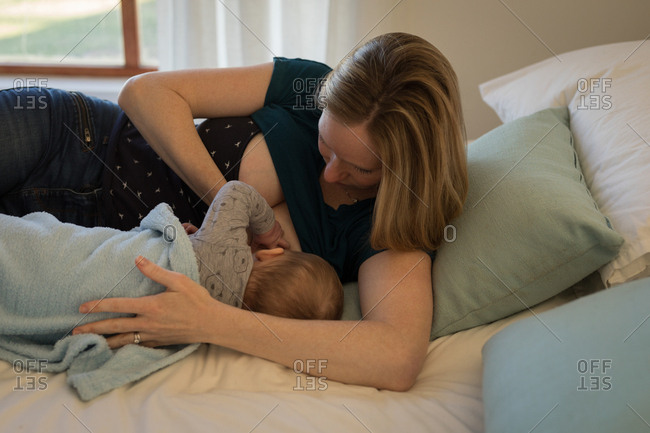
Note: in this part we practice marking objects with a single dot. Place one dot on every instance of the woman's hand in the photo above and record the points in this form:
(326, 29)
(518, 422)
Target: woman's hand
(175, 316)
(272, 239)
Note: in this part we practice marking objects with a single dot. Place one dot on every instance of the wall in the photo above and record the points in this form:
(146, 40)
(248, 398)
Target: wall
(484, 39)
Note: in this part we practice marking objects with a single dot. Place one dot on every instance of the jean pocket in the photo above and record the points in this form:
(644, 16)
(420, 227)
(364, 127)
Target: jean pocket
(77, 207)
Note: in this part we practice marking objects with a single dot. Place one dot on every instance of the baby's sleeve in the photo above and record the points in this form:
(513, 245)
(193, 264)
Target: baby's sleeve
(260, 213)
(236, 207)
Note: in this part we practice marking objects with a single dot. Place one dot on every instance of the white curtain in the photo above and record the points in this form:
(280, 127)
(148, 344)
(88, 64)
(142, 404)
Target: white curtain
(221, 33)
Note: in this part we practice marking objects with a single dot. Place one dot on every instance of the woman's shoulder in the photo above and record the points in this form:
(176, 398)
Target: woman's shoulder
(397, 262)
(300, 66)
(364, 252)
(295, 78)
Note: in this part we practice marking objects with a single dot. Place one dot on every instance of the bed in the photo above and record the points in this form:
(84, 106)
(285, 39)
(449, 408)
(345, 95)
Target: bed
(555, 237)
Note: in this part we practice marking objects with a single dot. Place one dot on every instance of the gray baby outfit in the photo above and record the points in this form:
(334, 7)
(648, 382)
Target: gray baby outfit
(221, 244)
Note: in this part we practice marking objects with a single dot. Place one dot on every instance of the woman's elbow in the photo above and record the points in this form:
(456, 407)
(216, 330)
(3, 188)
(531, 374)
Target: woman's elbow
(405, 379)
(405, 370)
(132, 91)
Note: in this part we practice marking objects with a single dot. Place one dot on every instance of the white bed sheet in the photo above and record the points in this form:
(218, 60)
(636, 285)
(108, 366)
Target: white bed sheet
(217, 389)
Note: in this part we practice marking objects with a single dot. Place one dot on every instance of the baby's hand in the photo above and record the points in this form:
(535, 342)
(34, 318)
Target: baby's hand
(189, 228)
(272, 239)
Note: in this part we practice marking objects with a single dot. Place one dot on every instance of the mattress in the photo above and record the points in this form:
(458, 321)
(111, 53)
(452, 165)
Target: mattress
(218, 389)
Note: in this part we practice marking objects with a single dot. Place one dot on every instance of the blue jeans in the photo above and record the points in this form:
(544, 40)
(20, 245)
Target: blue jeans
(53, 145)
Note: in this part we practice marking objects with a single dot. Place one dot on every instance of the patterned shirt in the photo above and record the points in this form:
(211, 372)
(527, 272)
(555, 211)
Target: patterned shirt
(136, 179)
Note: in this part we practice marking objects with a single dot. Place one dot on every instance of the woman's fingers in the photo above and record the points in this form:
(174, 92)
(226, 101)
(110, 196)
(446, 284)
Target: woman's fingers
(134, 305)
(166, 318)
(120, 340)
(109, 326)
(111, 305)
(167, 278)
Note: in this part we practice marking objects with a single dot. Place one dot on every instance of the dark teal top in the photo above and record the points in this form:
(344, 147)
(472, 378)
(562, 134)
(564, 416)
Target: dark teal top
(289, 121)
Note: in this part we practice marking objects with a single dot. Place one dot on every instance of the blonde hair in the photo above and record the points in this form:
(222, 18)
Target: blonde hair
(407, 94)
(295, 285)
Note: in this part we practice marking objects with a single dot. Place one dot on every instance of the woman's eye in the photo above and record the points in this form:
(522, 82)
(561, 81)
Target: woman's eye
(362, 171)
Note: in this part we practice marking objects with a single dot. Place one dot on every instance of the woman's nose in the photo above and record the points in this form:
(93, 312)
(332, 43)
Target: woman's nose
(333, 172)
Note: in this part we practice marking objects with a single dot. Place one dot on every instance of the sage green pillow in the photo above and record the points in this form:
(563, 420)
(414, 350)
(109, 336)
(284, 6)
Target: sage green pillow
(529, 230)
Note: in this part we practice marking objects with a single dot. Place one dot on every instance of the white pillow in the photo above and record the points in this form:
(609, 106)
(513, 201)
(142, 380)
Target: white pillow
(607, 90)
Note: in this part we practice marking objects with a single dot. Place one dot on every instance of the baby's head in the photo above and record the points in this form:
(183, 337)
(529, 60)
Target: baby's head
(294, 285)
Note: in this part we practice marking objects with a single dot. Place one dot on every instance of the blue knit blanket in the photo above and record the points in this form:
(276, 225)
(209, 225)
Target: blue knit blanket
(49, 268)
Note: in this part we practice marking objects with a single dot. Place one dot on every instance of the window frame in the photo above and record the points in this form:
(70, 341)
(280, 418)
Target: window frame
(131, 66)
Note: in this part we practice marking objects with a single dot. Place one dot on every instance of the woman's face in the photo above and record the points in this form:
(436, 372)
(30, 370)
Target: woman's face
(350, 156)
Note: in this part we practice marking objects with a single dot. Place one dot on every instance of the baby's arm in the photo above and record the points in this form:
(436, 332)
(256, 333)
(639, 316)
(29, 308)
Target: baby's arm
(262, 219)
(221, 244)
(190, 228)
(236, 207)
(261, 214)
(271, 239)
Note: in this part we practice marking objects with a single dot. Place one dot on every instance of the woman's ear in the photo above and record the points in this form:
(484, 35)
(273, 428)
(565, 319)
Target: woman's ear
(263, 255)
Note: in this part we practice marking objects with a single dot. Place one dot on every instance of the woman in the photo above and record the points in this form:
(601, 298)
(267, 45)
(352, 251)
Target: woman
(369, 183)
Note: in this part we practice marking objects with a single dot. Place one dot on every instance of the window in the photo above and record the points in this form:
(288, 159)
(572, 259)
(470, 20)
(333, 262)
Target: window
(78, 37)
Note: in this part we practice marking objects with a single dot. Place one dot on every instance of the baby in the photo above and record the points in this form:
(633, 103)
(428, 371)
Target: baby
(273, 281)
(49, 268)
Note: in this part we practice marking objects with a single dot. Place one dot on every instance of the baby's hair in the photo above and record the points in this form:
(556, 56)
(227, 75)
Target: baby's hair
(295, 285)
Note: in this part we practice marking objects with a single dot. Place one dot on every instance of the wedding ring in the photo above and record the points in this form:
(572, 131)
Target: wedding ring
(136, 338)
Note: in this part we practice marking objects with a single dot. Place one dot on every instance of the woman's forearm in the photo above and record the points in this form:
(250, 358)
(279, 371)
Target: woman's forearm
(385, 350)
(369, 353)
(165, 120)
(163, 106)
